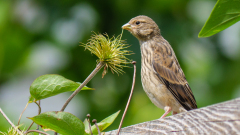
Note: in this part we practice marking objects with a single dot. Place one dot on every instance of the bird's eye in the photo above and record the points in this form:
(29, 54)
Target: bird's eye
(137, 22)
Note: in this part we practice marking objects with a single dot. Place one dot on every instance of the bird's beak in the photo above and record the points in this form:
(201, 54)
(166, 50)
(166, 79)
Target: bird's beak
(127, 26)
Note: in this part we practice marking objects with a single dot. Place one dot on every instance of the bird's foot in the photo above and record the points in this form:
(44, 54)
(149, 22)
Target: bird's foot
(167, 111)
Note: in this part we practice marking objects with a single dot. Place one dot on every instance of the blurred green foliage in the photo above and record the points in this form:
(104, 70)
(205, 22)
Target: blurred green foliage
(42, 37)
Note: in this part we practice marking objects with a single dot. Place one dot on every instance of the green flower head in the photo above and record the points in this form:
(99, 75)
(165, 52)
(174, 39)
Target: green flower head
(111, 51)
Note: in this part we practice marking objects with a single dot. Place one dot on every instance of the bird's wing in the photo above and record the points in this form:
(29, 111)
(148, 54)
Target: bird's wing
(168, 70)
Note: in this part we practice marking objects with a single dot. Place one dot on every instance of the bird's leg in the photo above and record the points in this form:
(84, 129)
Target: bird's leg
(167, 111)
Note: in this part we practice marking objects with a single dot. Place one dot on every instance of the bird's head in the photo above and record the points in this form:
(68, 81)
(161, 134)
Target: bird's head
(142, 27)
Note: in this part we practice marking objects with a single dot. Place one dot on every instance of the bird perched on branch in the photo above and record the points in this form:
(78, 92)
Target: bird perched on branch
(162, 78)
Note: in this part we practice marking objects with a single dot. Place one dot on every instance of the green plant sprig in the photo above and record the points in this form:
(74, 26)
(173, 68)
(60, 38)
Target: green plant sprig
(111, 53)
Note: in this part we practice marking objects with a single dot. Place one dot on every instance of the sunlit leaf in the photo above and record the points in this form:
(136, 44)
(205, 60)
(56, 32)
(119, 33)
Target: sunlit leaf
(50, 85)
(105, 123)
(31, 99)
(224, 14)
(61, 122)
(86, 125)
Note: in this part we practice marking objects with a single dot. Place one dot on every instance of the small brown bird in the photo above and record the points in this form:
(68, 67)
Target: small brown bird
(162, 77)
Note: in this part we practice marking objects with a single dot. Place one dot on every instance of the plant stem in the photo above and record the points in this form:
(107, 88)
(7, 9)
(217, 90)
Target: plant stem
(89, 124)
(39, 111)
(129, 99)
(22, 114)
(39, 107)
(95, 122)
(30, 126)
(98, 67)
(37, 132)
(5, 116)
(94, 72)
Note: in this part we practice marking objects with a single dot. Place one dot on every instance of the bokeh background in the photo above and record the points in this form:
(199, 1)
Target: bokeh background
(42, 37)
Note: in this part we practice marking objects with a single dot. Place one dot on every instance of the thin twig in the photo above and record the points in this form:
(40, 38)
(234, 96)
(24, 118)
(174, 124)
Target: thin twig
(94, 72)
(89, 124)
(30, 126)
(37, 132)
(98, 67)
(5, 116)
(22, 114)
(39, 111)
(95, 122)
(39, 107)
(129, 99)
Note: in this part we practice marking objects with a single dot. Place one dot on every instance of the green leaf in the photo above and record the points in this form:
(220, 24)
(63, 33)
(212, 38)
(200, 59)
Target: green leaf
(224, 14)
(31, 99)
(86, 125)
(105, 123)
(51, 85)
(61, 122)
(85, 87)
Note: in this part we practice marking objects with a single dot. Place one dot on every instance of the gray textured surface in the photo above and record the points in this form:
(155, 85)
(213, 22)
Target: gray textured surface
(218, 119)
